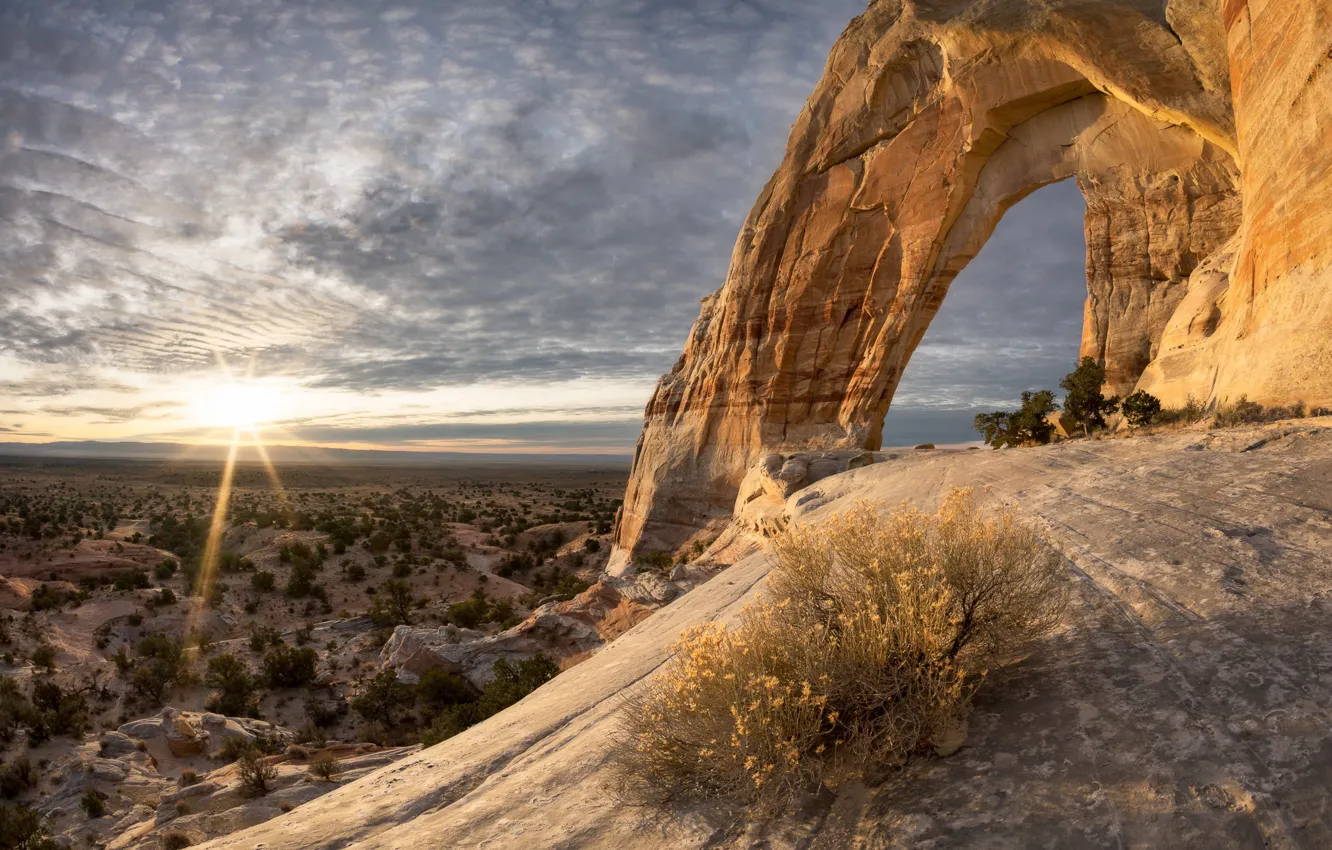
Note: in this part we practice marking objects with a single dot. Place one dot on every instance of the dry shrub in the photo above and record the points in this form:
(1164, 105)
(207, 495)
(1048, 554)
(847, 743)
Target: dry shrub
(1244, 412)
(325, 767)
(256, 773)
(175, 841)
(877, 629)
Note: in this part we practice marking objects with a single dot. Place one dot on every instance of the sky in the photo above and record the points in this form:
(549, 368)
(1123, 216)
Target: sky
(426, 224)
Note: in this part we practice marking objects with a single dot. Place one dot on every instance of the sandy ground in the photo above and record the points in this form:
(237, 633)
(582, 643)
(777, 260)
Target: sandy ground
(1185, 704)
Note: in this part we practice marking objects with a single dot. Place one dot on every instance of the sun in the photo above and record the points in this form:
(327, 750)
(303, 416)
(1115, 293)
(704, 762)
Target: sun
(239, 404)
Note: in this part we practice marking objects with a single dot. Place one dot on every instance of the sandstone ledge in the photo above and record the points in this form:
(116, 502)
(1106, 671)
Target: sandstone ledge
(1183, 706)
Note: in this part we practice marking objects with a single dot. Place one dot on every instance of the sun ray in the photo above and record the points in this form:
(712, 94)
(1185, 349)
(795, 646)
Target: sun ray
(271, 470)
(213, 546)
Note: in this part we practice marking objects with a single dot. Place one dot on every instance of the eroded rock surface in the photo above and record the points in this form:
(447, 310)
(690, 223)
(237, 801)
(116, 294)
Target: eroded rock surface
(1182, 705)
(161, 775)
(932, 119)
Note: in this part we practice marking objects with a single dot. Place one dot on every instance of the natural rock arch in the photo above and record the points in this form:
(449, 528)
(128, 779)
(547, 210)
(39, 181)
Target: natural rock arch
(932, 119)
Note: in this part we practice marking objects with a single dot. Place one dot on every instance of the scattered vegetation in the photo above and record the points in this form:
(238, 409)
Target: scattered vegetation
(1028, 425)
(876, 634)
(23, 829)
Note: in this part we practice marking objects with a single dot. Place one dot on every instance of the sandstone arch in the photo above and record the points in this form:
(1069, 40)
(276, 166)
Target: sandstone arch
(933, 118)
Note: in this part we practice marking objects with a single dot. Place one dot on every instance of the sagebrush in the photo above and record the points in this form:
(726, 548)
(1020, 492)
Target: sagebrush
(877, 628)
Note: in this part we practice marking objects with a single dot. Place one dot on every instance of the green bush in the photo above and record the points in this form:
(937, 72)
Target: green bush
(439, 689)
(383, 699)
(1141, 408)
(17, 776)
(233, 685)
(44, 656)
(92, 804)
(23, 829)
(132, 580)
(1084, 404)
(393, 604)
(290, 667)
(160, 666)
(1028, 425)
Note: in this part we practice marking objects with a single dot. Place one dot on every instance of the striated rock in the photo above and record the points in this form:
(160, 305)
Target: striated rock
(1178, 709)
(932, 119)
(559, 630)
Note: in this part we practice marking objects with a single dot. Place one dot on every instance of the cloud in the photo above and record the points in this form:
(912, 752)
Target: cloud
(117, 415)
(409, 195)
(385, 196)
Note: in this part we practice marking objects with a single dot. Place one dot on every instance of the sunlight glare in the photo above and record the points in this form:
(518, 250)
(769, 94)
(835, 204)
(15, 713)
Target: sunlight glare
(241, 405)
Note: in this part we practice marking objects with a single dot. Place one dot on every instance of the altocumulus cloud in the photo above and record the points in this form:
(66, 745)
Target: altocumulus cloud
(384, 195)
(380, 196)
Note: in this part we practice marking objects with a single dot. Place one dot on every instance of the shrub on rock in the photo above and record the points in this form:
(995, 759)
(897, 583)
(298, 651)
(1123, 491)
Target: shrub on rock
(877, 630)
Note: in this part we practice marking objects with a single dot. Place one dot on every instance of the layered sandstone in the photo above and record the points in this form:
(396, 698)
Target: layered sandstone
(932, 119)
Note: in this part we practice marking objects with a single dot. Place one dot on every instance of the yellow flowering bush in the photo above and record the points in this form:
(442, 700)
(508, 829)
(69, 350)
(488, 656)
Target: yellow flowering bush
(877, 627)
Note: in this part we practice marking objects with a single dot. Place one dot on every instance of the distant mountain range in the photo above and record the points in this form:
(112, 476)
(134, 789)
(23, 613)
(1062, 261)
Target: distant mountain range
(293, 454)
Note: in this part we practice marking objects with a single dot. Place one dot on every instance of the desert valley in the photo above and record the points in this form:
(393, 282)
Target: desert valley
(359, 554)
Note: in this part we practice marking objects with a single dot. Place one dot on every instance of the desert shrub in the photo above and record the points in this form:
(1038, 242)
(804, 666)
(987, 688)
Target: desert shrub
(23, 829)
(135, 579)
(1028, 425)
(165, 570)
(175, 840)
(233, 685)
(1084, 404)
(1245, 412)
(355, 573)
(17, 776)
(1192, 411)
(47, 598)
(1141, 408)
(56, 711)
(325, 767)
(263, 581)
(509, 684)
(592, 545)
(383, 698)
(393, 605)
(256, 774)
(165, 596)
(262, 637)
(188, 778)
(439, 688)
(875, 634)
(161, 665)
(92, 804)
(44, 656)
(290, 667)
(657, 561)
(470, 613)
(925, 447)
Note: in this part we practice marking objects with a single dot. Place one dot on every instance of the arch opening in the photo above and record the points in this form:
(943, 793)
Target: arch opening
(1012, 320)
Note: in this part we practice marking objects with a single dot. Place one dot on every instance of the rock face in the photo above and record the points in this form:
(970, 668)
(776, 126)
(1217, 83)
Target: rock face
(932, 119)
(1183, 706)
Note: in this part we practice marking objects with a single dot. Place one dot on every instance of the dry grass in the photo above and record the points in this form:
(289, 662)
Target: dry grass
(325, 767)
(878, 627)
(1244, 412)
